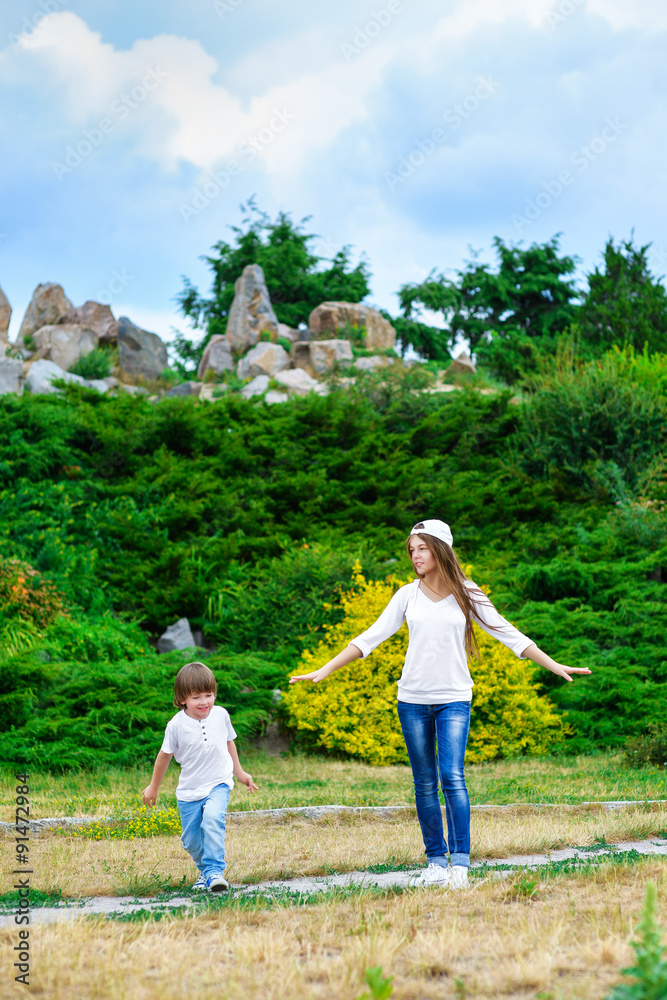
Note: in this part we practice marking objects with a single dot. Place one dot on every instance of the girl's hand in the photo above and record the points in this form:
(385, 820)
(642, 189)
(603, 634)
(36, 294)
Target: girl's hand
(315, 676)
(246, 779)
(562, 671)
(149, 797)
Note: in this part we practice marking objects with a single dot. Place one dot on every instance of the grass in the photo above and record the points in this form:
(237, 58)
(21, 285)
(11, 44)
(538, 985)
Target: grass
(298, 780)
(566, 942)
(261, 848)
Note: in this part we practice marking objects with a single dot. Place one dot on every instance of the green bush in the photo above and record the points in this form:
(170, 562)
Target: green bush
(649, 748)
(96, 364)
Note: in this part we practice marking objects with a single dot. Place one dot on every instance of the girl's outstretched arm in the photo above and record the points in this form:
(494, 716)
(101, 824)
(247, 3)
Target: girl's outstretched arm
(535, 654)
(349, 654)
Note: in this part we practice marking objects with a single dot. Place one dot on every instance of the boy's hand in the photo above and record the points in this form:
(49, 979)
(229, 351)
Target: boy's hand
(149, 797)
(246, 779)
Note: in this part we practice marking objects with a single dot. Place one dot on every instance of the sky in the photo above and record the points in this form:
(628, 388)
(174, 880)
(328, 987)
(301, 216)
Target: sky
(416, 132)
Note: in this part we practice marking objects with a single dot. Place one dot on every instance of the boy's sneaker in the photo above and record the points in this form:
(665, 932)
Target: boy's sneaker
(216, 883)
(433, 875)
(459, 877)
(201, 884)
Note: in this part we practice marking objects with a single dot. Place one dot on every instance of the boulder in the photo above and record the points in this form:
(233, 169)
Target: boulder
(251, 312)
(141, 354)
(185, 389)
(177, 636)
(5, 316)
(289, 333)
(217, 357)
(327, 319)
(462, 365)
(258, 386)
(299, 382)
(64, 343)
(370, 364)
(275, 397)
(42, 373)
(133, 390)
(96, 317)
(48, 305)
(11, 375)
(264, 359)
(318, 357)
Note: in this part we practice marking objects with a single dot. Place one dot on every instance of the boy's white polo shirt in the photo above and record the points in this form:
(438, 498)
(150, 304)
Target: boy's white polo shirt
(200, 747)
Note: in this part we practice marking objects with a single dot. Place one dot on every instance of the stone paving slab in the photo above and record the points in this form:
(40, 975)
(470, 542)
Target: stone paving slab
(308, 885)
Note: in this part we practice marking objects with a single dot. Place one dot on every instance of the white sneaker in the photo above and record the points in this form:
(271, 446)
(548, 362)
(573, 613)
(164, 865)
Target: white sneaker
(459, 877)
(433, 875)
(217, 883)
(201, 884)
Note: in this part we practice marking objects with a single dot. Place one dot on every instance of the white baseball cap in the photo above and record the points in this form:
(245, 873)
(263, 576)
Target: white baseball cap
(436, 528)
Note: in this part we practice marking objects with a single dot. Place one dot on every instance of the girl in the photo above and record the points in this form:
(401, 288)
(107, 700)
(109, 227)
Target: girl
(435, 689)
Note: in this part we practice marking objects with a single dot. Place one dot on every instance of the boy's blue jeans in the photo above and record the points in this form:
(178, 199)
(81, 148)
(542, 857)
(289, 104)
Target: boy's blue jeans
(436, 737)
(203, 825)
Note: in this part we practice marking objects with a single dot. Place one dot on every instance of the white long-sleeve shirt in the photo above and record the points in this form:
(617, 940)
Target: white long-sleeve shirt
(436, 665)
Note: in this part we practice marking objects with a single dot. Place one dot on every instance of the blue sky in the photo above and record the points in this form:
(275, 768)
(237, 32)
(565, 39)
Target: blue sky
(132, 133)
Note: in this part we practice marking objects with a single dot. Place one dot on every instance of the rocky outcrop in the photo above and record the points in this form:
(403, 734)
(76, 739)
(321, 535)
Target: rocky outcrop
(264, 359)
(177, 636)
(318, 357)
(96, 317)
(330, 318)
(141, 354)
(256, 387)
(64, 343)
(11, 375)
(5, 316)
(49, 305)
(289, 333)
(370, 364)
(251, 312)
(462, 365)
(217, 357)
(185, 389)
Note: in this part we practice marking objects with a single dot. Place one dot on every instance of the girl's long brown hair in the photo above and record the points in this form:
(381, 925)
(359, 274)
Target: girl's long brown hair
(449, 570)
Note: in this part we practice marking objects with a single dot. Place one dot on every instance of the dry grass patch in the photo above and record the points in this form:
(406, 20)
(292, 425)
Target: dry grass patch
(567, 943)
(259, 848)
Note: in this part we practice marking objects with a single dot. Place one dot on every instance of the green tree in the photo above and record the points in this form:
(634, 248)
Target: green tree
(296, 277)
(508, 315)
(625, 304)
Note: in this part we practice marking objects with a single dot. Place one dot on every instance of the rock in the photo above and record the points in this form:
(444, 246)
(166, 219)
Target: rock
(327, 319)
(289, 333)
(462, 365)
(255, 388)
(217, 357)
(133, 390)
(177, 636)
(5, 316)
(64, 343)
(98, 384)
(142, 354)
(96, 317)
(370, 364)
(185, 389)
(251, 311)
(299, 382)
(318, 357)
(49, 305)
(11, 375)
(275, 397)
(264, 359)
(42, 373)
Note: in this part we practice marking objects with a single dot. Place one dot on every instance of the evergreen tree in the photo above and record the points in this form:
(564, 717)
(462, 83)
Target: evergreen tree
(625, 304)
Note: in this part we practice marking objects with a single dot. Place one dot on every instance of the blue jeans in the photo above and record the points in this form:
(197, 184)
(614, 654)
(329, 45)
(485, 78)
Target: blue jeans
(436, 737)
(203, 825)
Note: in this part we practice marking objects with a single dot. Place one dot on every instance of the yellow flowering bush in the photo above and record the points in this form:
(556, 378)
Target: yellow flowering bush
(142, 822)
(354, 710)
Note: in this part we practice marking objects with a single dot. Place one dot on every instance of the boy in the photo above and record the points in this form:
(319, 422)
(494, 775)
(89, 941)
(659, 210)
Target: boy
(201, 738)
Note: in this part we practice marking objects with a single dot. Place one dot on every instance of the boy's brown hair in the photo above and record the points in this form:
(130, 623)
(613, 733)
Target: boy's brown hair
(193, 678)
